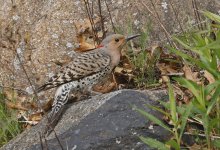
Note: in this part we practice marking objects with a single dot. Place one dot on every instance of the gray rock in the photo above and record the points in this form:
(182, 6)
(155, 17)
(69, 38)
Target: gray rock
(102, 122)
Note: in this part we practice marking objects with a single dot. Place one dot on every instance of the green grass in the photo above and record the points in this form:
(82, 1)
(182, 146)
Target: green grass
(9, 126)
(144, 64)
(205, 103)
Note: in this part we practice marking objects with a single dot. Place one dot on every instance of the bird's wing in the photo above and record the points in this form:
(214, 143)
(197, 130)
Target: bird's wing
(83, 65)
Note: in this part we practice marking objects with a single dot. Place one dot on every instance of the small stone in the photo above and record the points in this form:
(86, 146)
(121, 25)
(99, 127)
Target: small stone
(136, 22)
(16, 17)
(29, 90)
(118, 141)
(55, 36)
(151, 127)
(164, 6)
(69, 45)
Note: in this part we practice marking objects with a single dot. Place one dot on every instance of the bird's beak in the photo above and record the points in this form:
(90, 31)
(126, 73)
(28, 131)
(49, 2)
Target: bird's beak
(132, 36)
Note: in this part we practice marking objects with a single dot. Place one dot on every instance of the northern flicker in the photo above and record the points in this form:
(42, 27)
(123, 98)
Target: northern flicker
(85, 70)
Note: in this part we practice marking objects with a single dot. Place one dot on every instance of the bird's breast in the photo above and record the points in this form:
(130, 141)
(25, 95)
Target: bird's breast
(89, 80)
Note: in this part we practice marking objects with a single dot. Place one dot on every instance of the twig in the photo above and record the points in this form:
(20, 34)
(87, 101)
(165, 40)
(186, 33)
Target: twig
(58, 140)
(91, 21)
(109, 13)
(173, 74)
(46, 144)
(41, 141)
(92, 12)
(14, 88)
(177, 18)
(102, 21)
(197, 16)
(35, 93)
(168, 36)
(213, 137)
(25, 72)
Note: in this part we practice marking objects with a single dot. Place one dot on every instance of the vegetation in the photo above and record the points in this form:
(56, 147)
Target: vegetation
(203, 107)
(197, 48)
(9, 124)
(142, 61)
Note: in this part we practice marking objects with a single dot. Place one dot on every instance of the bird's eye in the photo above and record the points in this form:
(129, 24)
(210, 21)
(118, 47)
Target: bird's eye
(116, 40)
(90, 37)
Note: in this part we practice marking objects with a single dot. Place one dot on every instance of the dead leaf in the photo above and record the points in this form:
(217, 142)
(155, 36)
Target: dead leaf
(48, 105)
(84, 26)
(190, 75)
(85, 35)
(209, 77)
(85, 43)
(165, 69)
(15, 105)
(106, 86)
(10, 94)
(35, 117)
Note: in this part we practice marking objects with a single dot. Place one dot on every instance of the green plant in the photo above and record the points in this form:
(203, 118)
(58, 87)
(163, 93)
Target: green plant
(206, 101)
(204, 48)
(143, 61)
(178, 122)
(8, 123)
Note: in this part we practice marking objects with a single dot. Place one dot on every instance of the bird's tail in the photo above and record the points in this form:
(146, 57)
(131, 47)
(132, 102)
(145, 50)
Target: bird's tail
(60, 100)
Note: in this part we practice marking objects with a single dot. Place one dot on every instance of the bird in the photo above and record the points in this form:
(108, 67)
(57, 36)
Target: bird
(84, 71)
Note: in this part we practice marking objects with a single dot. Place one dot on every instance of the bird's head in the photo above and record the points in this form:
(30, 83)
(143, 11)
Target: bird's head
(116, 41)
(112, 46)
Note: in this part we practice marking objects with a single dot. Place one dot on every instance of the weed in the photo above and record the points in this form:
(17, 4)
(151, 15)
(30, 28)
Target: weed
(142, 61)
(205, 104)
(8, 122)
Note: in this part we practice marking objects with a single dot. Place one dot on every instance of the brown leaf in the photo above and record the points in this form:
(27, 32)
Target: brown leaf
(84, 26)
(85, 36)
(165, 69)
(195, 146)
(48, 105)
(209, 77)
(35, 117)
(15, 105)
(107, 86)
(189, 74)
(10, 94)
(85, 43)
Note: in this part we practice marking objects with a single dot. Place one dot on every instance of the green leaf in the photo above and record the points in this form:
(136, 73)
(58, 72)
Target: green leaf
(211, 16)
(213, 123)
(154, 143)
(192, 86)
(182, 43)
(202, 63)
(215, 45)
(184, 118)
(186, 56)
(173, 144)
(180, 110)
(209, 88)
(158, 109)
(213, 100)
(216, 143)
(198, 91)
(153, 119)
(172, 104)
